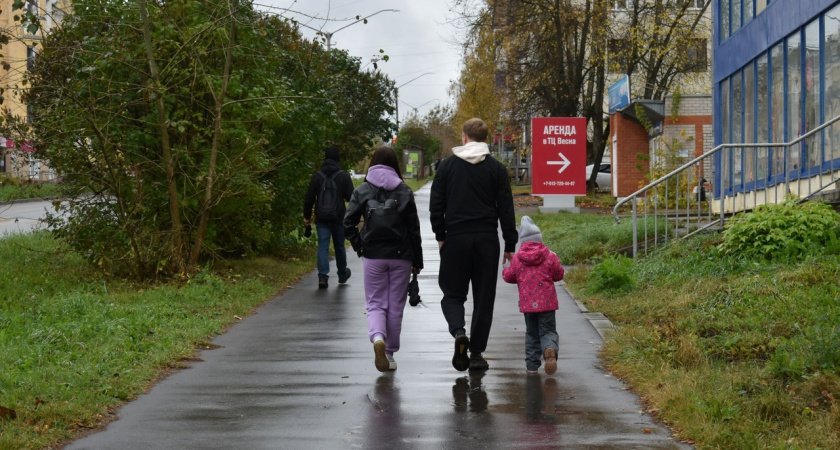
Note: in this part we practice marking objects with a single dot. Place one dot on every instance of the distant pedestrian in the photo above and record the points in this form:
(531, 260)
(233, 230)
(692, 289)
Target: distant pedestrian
(389, 244)
(329, 188)
(535, 269)
(470, 198)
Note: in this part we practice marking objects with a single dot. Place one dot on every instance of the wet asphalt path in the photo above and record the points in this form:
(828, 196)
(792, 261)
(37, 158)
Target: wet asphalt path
(299, 374)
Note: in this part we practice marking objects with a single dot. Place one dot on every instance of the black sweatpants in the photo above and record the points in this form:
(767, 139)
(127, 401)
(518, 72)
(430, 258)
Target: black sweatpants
(465, 259)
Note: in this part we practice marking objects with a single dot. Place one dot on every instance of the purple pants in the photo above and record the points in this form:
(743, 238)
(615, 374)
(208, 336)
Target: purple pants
(386, 283)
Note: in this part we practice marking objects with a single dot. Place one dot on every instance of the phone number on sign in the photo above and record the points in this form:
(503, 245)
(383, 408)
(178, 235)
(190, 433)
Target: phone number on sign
(558, 183)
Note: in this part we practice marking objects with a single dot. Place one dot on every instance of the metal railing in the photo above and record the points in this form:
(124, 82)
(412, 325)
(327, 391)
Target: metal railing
(688, 207)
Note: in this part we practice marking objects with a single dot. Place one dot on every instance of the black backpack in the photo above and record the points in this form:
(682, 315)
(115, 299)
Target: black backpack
(327, 205)
(382, 219)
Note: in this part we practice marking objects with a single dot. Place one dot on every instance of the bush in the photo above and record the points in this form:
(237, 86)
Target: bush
(784, 231)
(613, 274)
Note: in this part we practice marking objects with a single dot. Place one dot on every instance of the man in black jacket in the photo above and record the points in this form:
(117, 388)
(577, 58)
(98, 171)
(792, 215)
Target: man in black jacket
(329, 227)
(470, 197)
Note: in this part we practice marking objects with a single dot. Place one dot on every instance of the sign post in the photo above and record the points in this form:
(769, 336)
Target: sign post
(558, 161)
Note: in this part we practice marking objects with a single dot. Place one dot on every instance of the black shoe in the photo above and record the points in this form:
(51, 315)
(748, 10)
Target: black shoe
(460, 361)
(345, 277)
(477, 362)
(322, 281)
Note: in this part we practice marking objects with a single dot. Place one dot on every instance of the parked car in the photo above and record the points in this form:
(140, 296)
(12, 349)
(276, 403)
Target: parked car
(356, 176)
(604, 177)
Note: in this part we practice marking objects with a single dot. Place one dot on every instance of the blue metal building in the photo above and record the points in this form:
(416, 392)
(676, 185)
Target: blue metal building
(776, 77)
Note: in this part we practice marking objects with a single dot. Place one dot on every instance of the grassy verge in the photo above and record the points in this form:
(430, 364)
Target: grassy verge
(76, 345)
(731, 353)
(11, 192)
(580, 238)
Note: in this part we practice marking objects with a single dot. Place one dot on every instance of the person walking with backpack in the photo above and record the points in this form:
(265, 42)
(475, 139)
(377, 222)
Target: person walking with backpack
(389, 245)
(535, 269)
(329, 188)
(470, 198)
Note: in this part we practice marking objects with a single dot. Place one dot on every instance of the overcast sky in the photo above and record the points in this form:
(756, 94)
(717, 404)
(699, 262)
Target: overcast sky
(417, 39)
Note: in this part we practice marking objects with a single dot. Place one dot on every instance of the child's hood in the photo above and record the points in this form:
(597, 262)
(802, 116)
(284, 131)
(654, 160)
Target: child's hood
(532, 253)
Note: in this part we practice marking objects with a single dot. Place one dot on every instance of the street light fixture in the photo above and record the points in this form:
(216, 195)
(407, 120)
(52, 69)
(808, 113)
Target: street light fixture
(329, 34)
(397, 97)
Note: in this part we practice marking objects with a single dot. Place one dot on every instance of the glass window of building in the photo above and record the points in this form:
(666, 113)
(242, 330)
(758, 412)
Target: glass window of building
(726, 128)
(748, 10)
(737, 126)
(724, 19)
(749, 122)
(831, 52)
(736, 15)
(759, 6)
(762, 114)
(813, 88)
(794, 99)
(777, 106)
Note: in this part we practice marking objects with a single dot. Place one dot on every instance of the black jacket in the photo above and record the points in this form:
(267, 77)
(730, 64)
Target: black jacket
(408, 248)
(342, 182)
(471, 198)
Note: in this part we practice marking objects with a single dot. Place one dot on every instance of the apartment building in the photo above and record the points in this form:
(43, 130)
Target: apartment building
(18, 159)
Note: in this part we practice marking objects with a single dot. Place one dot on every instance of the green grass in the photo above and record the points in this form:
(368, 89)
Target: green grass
(581, 238)
(732, 353)
(76, 344)
(11, 191)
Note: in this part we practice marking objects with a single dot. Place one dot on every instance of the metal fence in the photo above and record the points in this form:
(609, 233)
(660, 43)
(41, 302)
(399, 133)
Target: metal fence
(683, 202)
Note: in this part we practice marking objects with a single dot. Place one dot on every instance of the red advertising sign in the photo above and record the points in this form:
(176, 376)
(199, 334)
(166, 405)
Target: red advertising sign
(558, 158)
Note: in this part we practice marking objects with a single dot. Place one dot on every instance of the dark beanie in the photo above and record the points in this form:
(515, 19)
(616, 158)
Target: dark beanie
(331, 153)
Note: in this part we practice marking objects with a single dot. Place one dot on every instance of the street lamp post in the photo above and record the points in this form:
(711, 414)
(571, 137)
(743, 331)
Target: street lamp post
(329, 34)
(397, 97)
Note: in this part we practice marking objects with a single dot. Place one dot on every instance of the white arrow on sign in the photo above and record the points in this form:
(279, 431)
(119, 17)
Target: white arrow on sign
(565, 163)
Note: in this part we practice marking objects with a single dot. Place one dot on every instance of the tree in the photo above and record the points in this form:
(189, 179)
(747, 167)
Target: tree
(549, 57)
(178, 127)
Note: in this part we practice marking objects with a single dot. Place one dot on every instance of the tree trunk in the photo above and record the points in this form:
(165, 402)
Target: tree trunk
(168, 161)
(214, 149)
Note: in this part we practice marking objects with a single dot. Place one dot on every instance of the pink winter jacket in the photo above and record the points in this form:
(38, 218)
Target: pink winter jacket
(535, 268)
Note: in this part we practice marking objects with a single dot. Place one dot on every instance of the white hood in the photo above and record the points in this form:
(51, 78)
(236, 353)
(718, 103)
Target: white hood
(472, 152)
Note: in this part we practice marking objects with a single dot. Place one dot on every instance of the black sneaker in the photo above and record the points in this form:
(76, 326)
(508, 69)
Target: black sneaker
(345, 277)
(322, 281)
(477, 362)
(460, 361)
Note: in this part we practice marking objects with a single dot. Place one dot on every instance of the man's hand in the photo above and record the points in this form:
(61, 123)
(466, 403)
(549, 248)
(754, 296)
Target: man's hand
(440, 244)
(415, 271)
(507, 258)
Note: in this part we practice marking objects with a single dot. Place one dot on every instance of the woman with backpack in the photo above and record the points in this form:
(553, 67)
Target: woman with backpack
(389, 245)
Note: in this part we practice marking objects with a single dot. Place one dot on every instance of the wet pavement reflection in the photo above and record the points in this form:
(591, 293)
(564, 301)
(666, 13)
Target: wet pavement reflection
(299, 374)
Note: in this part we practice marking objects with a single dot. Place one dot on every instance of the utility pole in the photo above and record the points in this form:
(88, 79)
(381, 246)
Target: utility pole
(329, 34)
(397, 97)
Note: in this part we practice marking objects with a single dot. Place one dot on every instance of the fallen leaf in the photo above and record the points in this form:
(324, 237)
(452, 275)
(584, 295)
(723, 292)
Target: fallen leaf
(647, 430)
(6, 413)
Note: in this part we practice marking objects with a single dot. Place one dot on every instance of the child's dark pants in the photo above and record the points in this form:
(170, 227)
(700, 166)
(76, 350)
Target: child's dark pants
(540, 334)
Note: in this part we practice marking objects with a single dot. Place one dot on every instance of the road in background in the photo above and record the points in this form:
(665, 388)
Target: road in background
(23, 216)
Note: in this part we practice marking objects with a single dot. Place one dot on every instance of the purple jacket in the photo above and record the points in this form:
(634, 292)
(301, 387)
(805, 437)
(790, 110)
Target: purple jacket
(534, 269)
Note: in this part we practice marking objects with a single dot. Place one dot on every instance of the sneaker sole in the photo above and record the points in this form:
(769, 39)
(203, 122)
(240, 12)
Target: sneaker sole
(380, 360)
(460, 361)
(550, 361)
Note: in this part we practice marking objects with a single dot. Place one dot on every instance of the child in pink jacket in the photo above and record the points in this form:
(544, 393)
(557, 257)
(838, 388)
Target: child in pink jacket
(535, 269)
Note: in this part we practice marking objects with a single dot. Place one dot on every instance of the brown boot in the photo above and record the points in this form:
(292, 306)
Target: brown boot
(550, 361)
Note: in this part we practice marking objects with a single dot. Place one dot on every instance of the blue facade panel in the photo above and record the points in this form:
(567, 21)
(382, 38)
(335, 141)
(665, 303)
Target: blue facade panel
(781, 18)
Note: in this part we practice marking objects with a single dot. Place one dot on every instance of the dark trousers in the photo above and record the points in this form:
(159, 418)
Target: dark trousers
(540, 334)
(469, 259)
